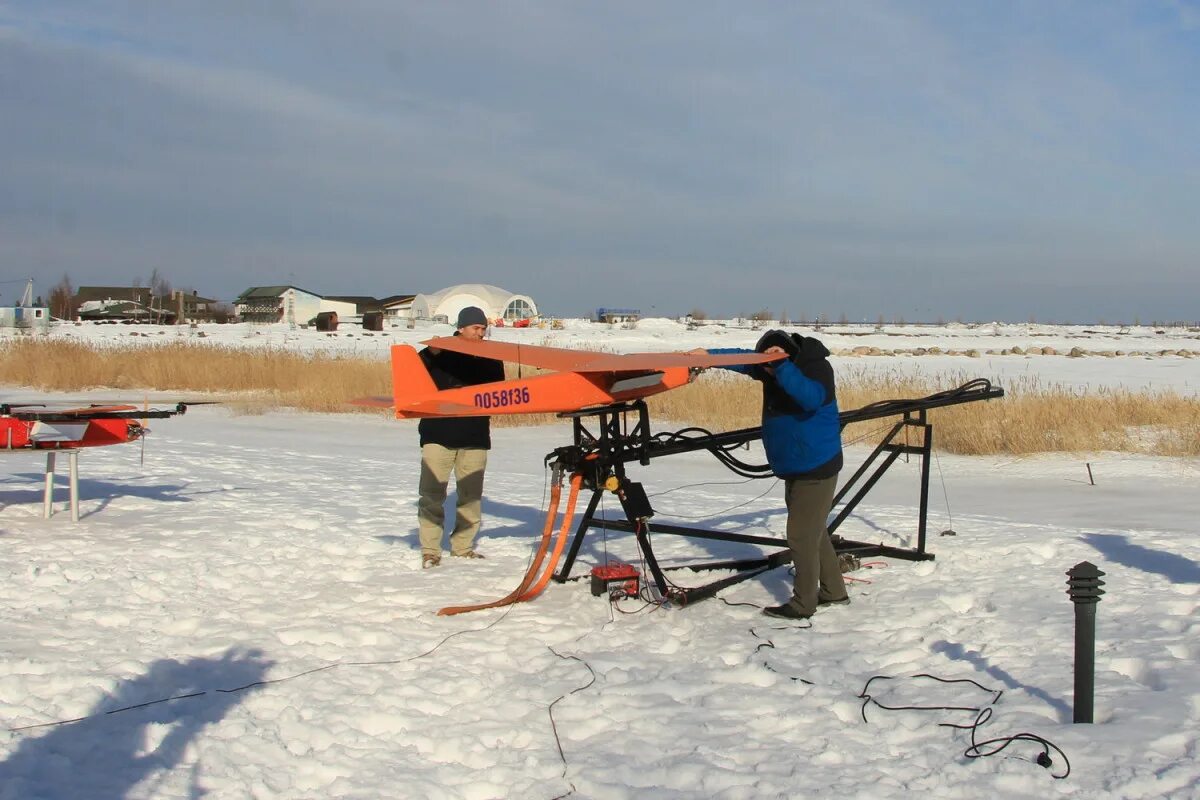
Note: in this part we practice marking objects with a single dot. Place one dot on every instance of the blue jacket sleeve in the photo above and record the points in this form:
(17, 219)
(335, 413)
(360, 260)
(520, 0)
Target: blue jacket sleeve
(809, 394)
(725, 351)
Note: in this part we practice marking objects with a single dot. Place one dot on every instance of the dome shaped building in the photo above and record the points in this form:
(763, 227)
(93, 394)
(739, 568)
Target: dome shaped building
(496, 303)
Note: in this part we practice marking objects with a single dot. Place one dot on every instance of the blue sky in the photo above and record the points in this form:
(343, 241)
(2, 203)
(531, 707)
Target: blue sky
(913, 160)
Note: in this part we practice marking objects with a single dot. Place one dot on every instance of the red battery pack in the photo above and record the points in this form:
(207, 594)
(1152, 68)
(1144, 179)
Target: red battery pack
(613, 577)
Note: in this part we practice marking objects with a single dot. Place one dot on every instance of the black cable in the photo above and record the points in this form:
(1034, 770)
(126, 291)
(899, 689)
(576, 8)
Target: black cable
(868, 699)
(868, 434)
(106, 713)
(755, 499)
(312, 671)
(646, 590)
(739, 603)
(899, 406)
(1042, 760)
(720, 451)
(982, 715)
(550, 711)
(381, 663)
(265, 682)
(946, 496)
(702, 484)
(768, 644)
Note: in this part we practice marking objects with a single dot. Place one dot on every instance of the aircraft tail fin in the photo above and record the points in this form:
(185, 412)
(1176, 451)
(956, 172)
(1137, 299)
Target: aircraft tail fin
(410, 379)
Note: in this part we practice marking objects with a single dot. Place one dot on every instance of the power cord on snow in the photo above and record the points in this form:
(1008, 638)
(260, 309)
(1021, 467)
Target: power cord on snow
(1042, 759)
(982, 715)
(977, 749)
(767, 643)
(550, 711)
(312, 671)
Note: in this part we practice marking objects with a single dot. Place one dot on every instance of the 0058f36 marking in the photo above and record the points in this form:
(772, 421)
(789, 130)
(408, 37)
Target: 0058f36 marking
(502, 398)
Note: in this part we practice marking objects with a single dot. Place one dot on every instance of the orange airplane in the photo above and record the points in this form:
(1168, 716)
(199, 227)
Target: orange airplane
(578, 379)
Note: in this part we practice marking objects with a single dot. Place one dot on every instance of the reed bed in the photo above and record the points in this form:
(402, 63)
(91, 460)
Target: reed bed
(1031, 418)
(250, 381)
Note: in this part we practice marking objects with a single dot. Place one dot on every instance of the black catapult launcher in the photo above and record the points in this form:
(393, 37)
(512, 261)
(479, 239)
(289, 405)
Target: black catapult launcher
(622, 435)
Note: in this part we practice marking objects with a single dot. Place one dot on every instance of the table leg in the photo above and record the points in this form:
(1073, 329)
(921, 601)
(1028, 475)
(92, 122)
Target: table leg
(74, 462)
(48, 500)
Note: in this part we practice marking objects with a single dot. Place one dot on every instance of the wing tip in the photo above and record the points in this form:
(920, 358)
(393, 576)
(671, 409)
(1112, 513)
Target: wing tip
(374, 402)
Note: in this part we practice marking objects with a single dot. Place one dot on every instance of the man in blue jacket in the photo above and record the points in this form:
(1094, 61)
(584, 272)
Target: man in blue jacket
(803, 439)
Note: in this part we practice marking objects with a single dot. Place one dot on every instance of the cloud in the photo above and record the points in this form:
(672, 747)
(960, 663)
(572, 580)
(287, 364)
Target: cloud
(878, 154)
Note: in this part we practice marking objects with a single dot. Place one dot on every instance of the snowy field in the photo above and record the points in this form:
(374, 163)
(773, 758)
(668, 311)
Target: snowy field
(1135, 356)
(243, 614)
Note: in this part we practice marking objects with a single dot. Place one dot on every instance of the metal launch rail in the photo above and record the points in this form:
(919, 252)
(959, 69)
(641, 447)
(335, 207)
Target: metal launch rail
(620, 434)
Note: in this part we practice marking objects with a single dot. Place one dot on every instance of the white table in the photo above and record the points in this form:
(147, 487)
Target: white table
(72, 455)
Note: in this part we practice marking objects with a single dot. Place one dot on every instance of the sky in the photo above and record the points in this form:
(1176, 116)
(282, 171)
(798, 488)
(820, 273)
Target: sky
(913, 161)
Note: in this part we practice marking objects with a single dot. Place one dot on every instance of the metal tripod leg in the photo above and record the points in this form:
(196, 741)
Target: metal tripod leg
(577, 542)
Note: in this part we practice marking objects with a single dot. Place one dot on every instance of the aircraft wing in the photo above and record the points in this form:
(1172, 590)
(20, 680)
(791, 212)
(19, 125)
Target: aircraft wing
(423, 408)
(558, 359)
(375, 401)
(583, 361)
(440, 408)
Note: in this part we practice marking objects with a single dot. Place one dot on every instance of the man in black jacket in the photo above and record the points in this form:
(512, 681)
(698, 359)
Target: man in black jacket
(457, 445)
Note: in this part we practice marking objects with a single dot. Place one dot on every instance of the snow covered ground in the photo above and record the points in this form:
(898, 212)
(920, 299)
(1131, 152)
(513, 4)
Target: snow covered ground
(259, 576)
(1157, 358)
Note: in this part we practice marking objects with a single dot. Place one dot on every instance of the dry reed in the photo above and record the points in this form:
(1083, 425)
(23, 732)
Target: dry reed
(251, 381)
(1031, 418)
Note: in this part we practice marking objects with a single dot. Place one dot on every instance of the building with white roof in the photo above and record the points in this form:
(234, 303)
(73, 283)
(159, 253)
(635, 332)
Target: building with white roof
(496, 303)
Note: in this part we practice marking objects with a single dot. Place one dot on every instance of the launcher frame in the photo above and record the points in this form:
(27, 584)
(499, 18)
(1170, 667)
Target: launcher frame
(620, 434)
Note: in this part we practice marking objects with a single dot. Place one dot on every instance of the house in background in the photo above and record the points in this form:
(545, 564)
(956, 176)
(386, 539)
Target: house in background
(496, 303)
(122, 304)
(192, 307)
(362, 303)
(392, 307)
(109, 310)
(287, 304)
(140, 304)
(397, 306)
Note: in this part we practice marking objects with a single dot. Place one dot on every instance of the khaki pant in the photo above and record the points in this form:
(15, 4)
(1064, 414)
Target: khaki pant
(818, 573)
(437, 463)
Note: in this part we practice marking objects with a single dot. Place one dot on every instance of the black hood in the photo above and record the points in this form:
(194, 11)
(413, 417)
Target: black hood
(809, 355)
(809, 349)
(799, 348)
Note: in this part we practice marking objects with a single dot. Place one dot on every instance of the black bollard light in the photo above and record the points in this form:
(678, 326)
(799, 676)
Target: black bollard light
(1083, 582)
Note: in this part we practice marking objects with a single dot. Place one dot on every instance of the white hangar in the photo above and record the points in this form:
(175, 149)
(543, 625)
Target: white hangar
(496, 303)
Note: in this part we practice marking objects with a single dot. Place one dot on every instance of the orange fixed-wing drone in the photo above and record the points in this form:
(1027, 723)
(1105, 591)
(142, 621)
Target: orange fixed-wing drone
(576, 380)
